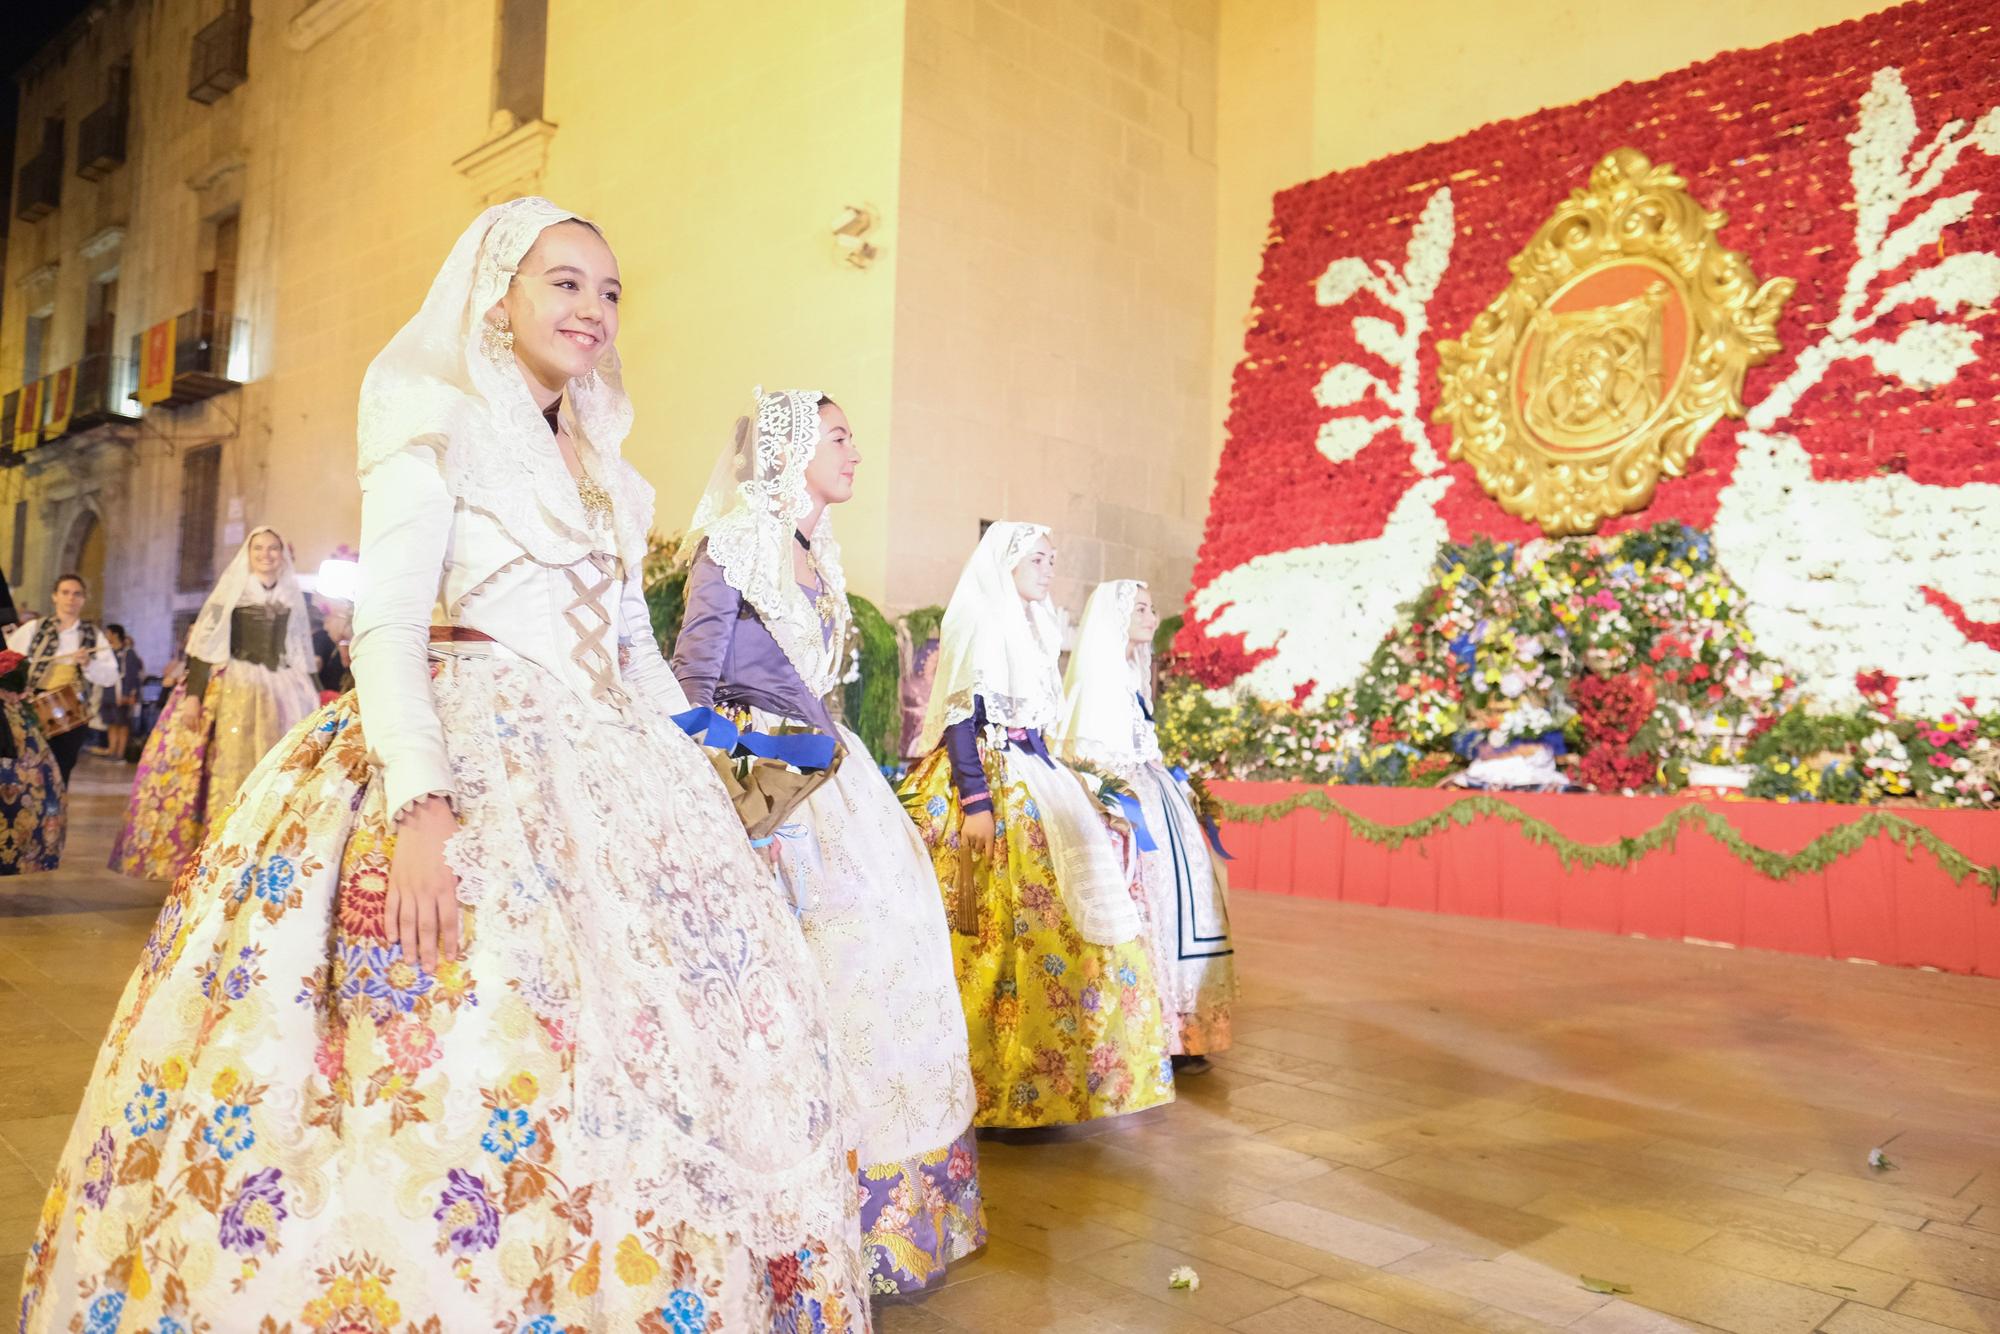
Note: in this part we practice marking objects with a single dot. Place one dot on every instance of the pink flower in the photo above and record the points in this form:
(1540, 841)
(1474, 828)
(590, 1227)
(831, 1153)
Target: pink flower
(412, 1046)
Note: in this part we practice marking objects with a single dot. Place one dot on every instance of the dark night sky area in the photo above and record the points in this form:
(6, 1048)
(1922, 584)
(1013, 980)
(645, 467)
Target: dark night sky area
(28, 24)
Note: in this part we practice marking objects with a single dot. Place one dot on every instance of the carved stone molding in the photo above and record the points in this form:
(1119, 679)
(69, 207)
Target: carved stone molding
(216, 172)
(511, 163)
(104, 242)
(317, 18)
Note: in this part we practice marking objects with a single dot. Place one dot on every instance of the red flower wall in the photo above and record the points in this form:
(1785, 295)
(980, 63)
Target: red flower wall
(1760, 136)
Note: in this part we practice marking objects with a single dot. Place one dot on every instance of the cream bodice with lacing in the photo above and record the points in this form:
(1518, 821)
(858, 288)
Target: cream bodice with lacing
(429, 558)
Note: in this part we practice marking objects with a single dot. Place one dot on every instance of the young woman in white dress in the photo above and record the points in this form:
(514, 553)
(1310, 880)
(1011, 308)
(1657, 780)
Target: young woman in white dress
(478, 1012)
(1107, 726)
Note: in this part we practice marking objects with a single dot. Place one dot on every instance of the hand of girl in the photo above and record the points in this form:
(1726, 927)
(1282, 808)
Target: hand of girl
(977, 831)
(422, 910)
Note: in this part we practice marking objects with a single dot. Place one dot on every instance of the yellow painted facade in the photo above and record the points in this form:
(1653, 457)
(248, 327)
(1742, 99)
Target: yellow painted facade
(1071, 198)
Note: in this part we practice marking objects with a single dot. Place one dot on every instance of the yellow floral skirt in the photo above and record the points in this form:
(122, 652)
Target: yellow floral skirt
(620, 1110)
(1061, 1030)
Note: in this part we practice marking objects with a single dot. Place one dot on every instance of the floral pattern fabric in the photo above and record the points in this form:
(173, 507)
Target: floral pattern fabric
(167, 813)
(1061, 1031)
(252, 707)
(33, 821)
(876, 928)
(920, 1214)
(619, 1110)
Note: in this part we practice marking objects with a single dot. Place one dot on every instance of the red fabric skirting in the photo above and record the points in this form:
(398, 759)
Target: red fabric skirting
(1877, 904)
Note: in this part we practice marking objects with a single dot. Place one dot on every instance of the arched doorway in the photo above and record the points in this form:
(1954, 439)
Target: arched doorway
(84, 553)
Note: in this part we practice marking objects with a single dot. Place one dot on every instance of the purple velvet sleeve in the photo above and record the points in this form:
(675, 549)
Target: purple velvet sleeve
(961, 741)
(702, 647)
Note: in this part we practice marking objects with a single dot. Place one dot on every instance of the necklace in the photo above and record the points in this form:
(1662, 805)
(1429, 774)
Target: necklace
(825, 604)
(596, 500)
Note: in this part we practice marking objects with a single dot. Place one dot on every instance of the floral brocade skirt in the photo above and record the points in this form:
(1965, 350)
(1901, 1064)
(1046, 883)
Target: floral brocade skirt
(199, 753)
(620, 1109)
(875, 927)
(32, 818)
(1061, 1030)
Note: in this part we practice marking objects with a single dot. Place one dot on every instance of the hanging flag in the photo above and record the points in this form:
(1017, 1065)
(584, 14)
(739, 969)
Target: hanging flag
(28, 417)
(61, 392)
(156, 363)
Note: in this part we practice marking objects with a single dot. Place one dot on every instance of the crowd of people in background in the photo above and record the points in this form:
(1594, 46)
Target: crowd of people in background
(70, 686)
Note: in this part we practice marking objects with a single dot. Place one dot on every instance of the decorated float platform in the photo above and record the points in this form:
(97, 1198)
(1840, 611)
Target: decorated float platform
(1598, 460)
(1913, 886)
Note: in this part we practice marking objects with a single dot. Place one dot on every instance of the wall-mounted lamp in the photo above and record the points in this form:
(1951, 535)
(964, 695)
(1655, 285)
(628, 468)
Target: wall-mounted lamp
(850, 232)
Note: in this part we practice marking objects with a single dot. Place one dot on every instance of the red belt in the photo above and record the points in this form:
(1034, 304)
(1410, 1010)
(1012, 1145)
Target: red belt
(459, 634)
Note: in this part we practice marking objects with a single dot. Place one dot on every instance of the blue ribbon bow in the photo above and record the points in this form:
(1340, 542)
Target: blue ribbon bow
(805, 751)
(1135, 815)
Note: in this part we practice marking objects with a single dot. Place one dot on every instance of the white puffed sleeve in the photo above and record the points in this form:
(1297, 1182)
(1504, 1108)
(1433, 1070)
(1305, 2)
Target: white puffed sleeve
(405, 525)
(102, 669)
(652, 681)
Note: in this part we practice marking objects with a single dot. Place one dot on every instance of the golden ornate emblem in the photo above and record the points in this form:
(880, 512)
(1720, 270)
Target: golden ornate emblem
(1622, 339)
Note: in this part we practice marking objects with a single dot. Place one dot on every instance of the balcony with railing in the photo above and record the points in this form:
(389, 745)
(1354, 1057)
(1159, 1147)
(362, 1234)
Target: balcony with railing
(38, 185)
(97, 391)
(220, 57)
(208, 354)
(100, 136)
(106, 389)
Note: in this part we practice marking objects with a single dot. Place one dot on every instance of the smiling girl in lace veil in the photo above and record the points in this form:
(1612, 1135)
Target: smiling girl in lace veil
(476, 1012)
(764, 638)
(1053, 973)
(1107, 724)
(249, 682)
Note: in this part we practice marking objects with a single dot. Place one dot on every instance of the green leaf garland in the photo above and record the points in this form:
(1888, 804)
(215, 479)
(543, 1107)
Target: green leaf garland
(1817, 855)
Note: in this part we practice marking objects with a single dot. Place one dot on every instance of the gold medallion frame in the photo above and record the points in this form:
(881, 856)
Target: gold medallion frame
(1622, 424)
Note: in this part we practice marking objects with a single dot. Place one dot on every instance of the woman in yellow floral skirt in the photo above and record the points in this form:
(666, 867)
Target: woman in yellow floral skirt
(1060, 1002)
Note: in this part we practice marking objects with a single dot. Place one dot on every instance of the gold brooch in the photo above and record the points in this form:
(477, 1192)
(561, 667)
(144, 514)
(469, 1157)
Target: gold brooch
(1623, 338)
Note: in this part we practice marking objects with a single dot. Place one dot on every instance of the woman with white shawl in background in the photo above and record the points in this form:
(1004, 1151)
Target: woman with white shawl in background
(1107, 726)
(249, 681)
(1058, 989)
(764, 639)
(478, 1011)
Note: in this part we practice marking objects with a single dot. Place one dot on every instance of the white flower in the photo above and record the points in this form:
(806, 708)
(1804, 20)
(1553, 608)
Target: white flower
(1184, 1276)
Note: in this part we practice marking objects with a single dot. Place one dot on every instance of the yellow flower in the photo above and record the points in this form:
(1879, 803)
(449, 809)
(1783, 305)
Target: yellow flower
(52, 1208)
(226, 1080)
(1781, 767)
(524, 1087)
(583, 1282)
(633, 1264)
(174, 1074)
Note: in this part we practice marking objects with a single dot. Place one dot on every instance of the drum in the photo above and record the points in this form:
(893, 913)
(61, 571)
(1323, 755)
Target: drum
(60, 710)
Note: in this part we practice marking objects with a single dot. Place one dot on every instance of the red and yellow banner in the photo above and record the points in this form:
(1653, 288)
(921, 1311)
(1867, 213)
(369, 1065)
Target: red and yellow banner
(156, 363)
(61, 391)
(27, 424)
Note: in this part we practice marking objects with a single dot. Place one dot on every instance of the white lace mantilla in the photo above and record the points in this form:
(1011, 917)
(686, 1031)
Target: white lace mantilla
(434, 383)
(748, 515)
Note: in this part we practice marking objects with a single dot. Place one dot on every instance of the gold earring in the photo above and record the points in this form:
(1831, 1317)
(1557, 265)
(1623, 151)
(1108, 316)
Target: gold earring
(496, 341)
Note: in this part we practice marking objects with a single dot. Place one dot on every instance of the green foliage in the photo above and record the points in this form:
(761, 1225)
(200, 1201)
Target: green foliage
(665, 579)
(872, 702)
(1823, 851)
(1163, 638)
(924, 623)
(1797, 735)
